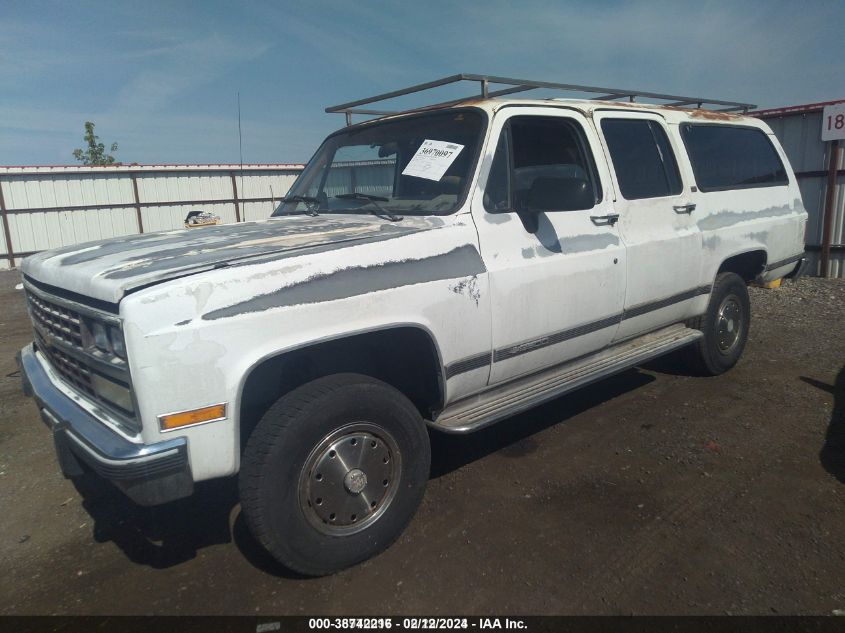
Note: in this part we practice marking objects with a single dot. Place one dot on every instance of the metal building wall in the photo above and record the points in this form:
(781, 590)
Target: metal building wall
(372, 177)
(49, 207)
(799, 131)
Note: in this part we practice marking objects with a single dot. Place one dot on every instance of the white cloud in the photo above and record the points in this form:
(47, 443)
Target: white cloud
(180, 66)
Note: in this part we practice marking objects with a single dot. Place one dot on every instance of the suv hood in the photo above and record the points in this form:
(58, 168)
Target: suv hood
(109, 269)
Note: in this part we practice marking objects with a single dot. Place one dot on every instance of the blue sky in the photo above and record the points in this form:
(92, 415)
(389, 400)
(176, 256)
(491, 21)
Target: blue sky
(161, 78)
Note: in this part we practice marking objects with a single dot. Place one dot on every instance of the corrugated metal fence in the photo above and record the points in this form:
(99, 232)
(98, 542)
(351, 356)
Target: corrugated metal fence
(816, 164)
(49, 207)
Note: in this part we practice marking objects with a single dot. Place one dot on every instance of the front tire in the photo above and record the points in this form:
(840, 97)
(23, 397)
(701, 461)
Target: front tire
(334, 472)
(725, 325)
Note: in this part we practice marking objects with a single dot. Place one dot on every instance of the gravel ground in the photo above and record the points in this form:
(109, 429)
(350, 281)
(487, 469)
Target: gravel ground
(652, 492)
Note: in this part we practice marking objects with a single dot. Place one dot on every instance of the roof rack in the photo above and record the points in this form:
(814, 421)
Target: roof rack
(522, 85)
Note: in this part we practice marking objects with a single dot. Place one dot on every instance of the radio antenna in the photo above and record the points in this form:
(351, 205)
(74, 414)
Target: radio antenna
(240, 145)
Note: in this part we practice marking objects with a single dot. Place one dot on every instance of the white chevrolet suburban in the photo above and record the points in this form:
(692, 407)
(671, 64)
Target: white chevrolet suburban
(446, 267)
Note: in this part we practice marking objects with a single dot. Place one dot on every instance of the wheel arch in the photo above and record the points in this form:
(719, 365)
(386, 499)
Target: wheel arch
(748, 264)
(385, 347)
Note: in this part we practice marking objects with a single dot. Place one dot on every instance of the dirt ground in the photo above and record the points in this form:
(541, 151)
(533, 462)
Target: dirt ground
(649, 493)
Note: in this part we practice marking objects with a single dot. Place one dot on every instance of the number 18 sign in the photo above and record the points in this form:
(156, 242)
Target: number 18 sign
(833, 122)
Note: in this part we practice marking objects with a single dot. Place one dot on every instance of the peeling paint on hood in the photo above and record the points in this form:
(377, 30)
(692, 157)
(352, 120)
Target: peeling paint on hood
(109, 269)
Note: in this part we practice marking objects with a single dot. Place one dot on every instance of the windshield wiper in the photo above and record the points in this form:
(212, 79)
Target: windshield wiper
(310, 203)
(381, 212)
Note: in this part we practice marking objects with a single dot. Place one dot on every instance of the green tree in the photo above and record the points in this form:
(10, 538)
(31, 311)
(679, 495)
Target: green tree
(96, 152)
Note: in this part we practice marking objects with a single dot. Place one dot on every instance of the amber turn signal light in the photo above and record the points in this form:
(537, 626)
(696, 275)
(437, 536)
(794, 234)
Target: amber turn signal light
(172, 421)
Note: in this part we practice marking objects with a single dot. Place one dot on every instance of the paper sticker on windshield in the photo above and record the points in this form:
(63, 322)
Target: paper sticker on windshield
(432, 159)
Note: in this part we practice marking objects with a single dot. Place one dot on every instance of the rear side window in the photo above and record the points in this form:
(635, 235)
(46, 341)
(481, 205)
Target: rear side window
(731, 157)
(642, 158)
(541, 164)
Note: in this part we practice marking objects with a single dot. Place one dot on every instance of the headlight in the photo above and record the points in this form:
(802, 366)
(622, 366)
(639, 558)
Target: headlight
(117, 344)
(100, 336)
(106, 338)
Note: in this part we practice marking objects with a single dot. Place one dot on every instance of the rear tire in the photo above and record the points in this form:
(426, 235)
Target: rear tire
(334, 472)
(725, 325)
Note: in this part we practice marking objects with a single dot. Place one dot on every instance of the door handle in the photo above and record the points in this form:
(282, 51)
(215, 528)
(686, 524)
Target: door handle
(684, 208)
(605, 220)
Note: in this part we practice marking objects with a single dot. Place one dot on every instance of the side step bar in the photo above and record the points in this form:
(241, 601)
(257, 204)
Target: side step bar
(524, 393)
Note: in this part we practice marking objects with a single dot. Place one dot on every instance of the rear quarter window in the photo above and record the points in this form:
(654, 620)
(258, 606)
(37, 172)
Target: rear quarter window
(732, 157)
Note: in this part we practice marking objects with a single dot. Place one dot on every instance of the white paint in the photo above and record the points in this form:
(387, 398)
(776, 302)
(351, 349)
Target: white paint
(181, 361)
(658, 241)
(537, 291)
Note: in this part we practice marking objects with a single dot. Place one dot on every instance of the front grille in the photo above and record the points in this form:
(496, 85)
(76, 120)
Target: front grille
(71, 370)
(53, 322)
(62, 323)
(61, 336)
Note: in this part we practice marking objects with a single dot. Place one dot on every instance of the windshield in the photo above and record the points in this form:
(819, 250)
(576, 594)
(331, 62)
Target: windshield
(418, 165)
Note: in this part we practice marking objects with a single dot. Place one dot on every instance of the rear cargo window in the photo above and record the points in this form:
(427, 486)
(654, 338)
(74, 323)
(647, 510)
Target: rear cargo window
(732, 157)
(642, 158)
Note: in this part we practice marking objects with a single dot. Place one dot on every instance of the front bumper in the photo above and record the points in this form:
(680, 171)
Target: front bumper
(149, 474)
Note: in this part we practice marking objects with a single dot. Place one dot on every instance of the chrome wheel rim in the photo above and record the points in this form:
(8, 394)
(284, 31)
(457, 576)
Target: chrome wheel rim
(729, 324)
(350, 479)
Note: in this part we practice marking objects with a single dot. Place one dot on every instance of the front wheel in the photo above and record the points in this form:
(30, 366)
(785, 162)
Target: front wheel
(334, 472)
(725, 326)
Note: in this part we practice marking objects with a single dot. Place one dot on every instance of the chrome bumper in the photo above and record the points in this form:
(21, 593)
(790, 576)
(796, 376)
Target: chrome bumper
(149, 474)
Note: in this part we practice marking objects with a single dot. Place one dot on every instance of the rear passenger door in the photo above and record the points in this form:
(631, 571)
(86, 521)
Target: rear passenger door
(657, 221)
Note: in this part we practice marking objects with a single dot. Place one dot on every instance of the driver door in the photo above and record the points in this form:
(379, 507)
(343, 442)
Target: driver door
(549, 239)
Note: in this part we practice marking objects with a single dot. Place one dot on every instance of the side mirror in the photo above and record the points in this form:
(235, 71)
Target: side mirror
(530, 220)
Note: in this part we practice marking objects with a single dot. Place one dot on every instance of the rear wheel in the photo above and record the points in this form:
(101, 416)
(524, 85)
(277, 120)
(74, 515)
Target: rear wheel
(334, 472)
(725, 326)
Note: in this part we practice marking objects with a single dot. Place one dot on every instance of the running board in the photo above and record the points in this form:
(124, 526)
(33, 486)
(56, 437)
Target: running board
(524, 393)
